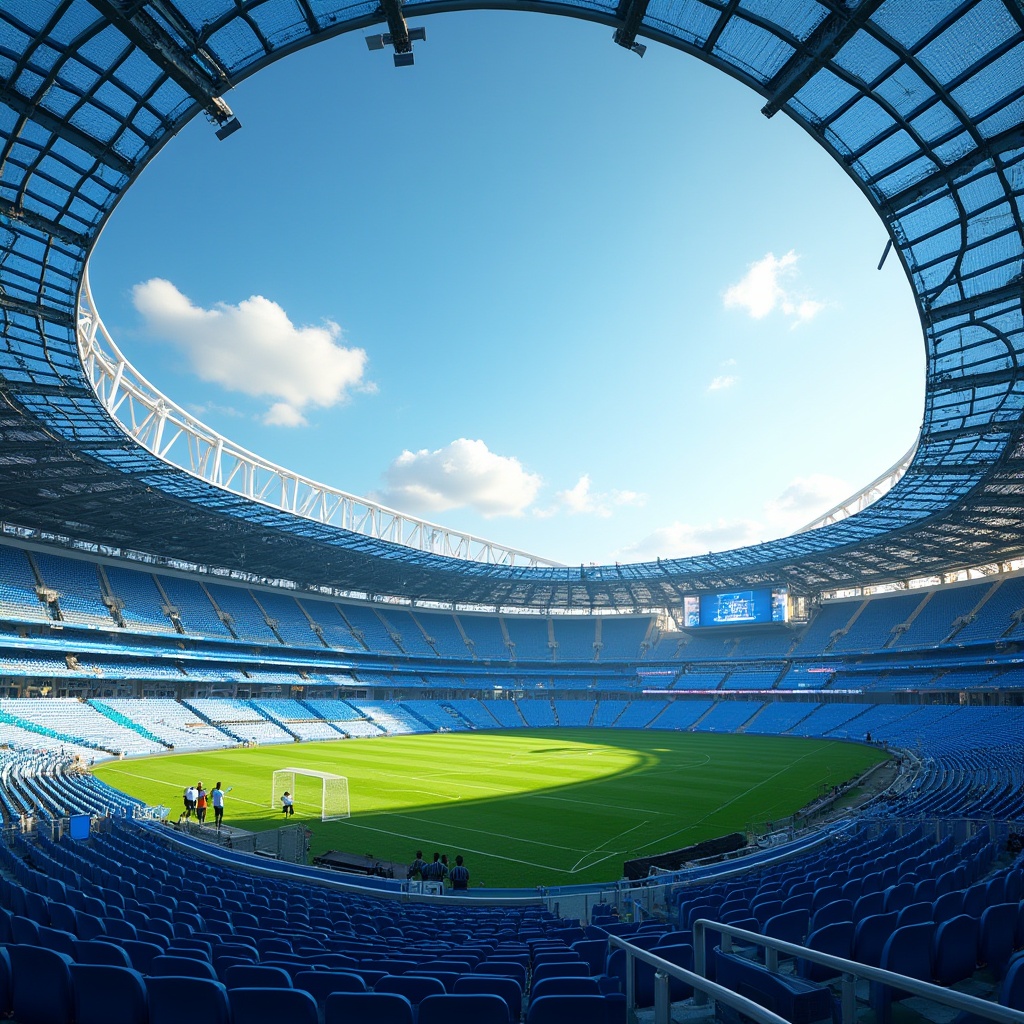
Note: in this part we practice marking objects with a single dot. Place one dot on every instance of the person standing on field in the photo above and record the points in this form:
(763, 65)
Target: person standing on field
(217, 801)
(459, 875)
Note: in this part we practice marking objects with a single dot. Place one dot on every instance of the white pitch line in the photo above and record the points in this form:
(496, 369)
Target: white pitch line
(481, 853)
(728, 803)
(597, 849)
(483, 831)
(593, 803)
(174, 785)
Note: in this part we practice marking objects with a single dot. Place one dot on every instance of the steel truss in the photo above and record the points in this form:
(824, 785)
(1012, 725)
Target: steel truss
(171, 434)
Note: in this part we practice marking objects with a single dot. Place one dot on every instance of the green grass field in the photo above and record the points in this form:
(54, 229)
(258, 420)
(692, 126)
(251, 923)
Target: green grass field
(525, 807)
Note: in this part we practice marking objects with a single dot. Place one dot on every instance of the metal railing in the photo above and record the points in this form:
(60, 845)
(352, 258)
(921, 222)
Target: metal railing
(664, 970)
(849, 970)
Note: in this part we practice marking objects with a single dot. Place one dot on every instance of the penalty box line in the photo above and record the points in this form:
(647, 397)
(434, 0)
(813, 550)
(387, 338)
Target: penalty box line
(481, 853)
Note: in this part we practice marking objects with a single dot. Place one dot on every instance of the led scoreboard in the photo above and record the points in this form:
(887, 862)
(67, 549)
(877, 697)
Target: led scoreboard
(755, 607)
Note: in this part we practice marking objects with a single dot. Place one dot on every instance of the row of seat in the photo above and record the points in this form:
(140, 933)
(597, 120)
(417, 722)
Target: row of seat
(41, 986)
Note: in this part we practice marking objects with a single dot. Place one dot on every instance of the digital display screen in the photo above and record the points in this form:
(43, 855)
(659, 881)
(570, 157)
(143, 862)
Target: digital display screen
(744, 607)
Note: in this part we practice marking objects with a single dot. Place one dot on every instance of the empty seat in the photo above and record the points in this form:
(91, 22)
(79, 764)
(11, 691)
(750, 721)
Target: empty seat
(830, 913)
(997, 935)
(271, 1006)
(93, 951)
(494, 984)
(41, 985)
(566, 987)
(836, 939)
(955, 949)
(256, 976)
(108, 995)
(414, 987)
(181, 967)
(870, 937)
(367, 1008)
(567, 1010)
(463, 1008)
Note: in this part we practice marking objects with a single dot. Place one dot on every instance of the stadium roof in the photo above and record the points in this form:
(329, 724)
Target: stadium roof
(921, 103)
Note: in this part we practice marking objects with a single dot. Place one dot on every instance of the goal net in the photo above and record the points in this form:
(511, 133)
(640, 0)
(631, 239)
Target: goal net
(312, 792)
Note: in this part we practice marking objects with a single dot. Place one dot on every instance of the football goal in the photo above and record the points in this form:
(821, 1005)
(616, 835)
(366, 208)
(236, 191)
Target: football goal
(312, 792)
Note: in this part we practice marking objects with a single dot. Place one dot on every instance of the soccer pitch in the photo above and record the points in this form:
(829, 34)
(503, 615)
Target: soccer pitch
(524, 807)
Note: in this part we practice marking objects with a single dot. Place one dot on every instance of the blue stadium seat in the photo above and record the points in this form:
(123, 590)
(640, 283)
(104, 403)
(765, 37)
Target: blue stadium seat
(368, 1008)
(792, 926)
(955, 949)
(42, 992)
(94, 951)
(164, 966)
(507, 988)
(411, 986)
(463, 1008)
(565, 987)
(997, 936)
(908, 951)
(870, 937)
(256, 976)
(108, 995)
(271, 1006)
(830, 913)
(562, 969)
(567, 1010)
(836, 939)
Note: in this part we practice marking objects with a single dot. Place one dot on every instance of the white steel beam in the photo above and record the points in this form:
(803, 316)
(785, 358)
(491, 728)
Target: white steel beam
(176, 437)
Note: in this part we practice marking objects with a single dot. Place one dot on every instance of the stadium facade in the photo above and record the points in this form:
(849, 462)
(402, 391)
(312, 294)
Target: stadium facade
(124, 576)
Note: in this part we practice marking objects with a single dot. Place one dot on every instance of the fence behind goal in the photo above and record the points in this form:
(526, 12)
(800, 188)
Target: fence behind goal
(311, 792)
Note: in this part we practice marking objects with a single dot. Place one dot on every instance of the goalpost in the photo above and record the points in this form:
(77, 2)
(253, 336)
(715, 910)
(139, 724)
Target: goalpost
(328, 793)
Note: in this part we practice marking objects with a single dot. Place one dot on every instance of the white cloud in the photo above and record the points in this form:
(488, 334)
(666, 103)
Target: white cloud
(254, 348)
(768, 285)
(679, 540)
(808, 497)
(722, 383)
(582, 500)
(801, 501)
(462, 474)
(281, 414)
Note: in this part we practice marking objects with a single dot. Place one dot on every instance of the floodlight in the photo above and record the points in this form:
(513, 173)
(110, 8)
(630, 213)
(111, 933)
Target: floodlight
(228, 128)
(418, 34)
(375, 42)
(639, 49)
(404, 60)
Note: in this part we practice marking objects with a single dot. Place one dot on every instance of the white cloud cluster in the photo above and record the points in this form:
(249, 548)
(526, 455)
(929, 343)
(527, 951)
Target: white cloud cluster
(800, 502)
(767, 286)
(581, 499)
(462, 474)
(254, 348)
(722, 382)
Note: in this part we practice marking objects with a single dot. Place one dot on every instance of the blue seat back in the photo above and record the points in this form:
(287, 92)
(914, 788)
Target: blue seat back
(109, 995)
(41, 985)
(463, 1008)
(368, 1008)
(271, 1006)
(256, 976)
(493, 984)
(955, 949)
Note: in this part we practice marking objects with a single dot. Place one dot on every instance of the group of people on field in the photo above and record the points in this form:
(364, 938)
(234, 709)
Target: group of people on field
(198, 800)
(438, 870)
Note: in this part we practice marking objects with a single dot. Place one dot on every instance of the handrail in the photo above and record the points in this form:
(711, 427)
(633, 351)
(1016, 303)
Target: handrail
(850, 971)
(665, 970)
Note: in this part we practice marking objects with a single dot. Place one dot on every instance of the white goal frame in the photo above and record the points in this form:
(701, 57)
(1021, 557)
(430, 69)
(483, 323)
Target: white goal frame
(334, 803)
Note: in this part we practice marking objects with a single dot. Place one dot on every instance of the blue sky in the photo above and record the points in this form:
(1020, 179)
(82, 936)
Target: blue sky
(534, 287)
